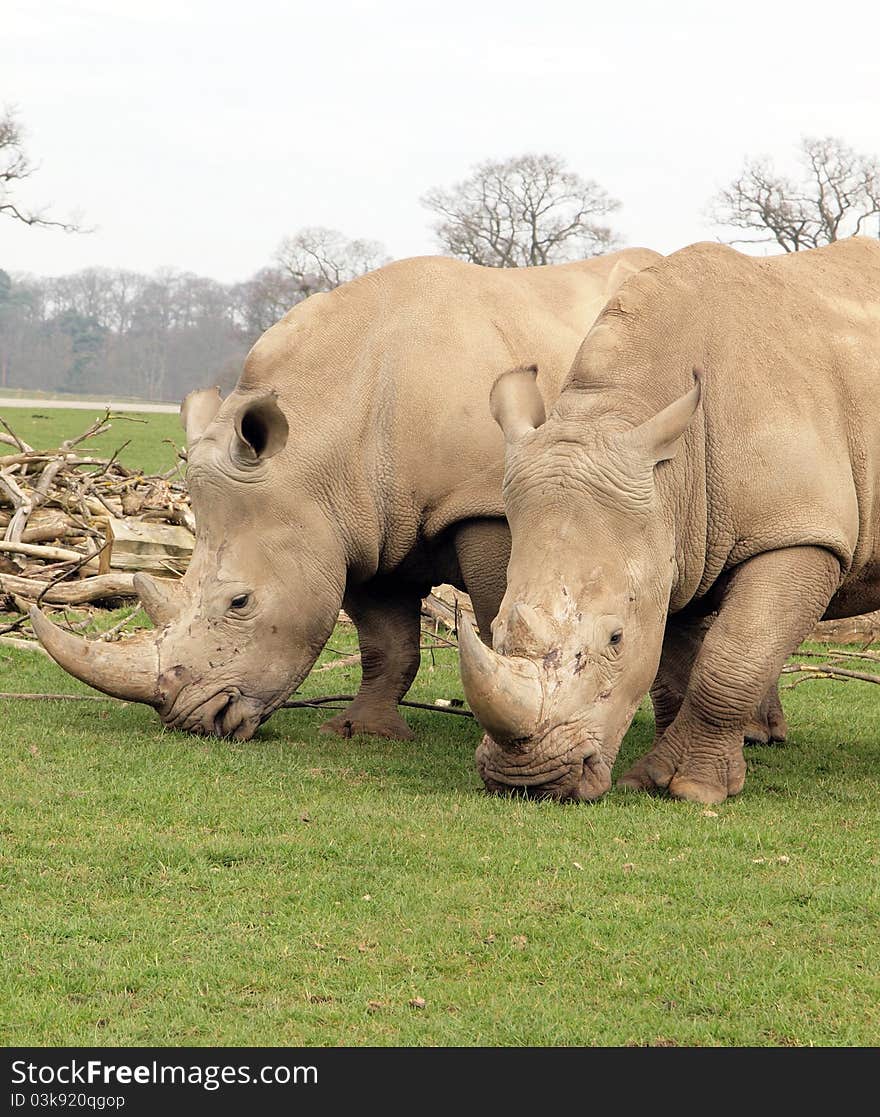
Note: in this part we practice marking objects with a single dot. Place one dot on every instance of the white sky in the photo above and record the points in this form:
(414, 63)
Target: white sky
(196, 133)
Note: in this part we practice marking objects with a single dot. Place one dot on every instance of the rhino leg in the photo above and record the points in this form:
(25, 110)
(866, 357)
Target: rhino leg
(770, 605)
(768, 724)
(682, 641)
(388, 628)
(482, 548)
(681, 645)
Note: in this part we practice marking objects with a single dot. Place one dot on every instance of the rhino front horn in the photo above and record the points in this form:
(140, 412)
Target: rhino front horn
(127, 670)
(504, 692)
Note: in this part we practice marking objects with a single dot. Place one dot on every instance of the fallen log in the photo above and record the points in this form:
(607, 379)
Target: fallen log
(100, 587)
(444, 604)
(12, 438)
(46, 527)
(863, 629)
(37, 550)
(27, 645)
(826, 671)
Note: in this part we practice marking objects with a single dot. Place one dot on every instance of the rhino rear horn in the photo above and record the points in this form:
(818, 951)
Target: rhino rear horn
(161, 598)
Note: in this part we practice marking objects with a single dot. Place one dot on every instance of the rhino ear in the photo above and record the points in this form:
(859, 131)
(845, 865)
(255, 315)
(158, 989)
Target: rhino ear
(197, 411)
(261, 430)
(658, 438)
(516, 402)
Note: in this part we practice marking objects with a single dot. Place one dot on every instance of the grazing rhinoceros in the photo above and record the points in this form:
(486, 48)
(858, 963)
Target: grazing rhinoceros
(732, 513)
(355, 463)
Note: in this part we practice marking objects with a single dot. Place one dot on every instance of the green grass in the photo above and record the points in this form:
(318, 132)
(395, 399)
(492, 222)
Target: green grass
(45, 430)
(303, 890)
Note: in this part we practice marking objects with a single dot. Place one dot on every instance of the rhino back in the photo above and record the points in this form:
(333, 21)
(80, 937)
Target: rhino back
(787, 445)
(385, 383)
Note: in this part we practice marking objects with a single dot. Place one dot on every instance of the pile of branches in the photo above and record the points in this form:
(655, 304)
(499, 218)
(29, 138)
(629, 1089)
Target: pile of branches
(55, 510)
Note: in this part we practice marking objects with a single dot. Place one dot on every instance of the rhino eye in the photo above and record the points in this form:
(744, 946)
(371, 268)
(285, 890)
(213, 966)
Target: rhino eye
(616, 638)
(240, 601)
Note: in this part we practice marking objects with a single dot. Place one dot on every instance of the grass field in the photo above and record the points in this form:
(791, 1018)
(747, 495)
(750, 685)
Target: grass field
(152, 437)
(305, 890)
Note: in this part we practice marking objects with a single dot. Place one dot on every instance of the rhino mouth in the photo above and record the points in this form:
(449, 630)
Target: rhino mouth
(225, 713)
(567, 763)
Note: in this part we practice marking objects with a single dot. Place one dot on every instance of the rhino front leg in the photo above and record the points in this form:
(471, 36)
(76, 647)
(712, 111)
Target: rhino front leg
(681, 645)
(682, 641)
(482, 547)
(770, 605)
(388, 628)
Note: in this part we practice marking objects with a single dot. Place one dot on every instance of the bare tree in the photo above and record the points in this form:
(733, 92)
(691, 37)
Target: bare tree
(523, 211)
(319, 259)
(265, 298)
(15, 167)
(837, 194)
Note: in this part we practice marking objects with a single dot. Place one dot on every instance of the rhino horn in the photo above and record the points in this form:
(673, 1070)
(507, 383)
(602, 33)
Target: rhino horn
(524, 628)
(160, 597)
(127, 670)
(504, 692)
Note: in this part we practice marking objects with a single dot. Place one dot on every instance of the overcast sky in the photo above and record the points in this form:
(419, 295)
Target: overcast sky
(196, 134)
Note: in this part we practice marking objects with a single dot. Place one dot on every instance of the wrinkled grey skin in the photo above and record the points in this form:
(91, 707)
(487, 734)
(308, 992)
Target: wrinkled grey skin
(680, 537)
(354, 464)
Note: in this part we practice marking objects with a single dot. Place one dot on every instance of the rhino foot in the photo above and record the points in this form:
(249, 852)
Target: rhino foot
(756, 734)
(376, 723)
(772, 731)
(768, 725)
(707, 777)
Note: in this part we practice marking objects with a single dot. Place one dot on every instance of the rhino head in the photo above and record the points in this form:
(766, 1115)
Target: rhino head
(261, 594)
(577, 640)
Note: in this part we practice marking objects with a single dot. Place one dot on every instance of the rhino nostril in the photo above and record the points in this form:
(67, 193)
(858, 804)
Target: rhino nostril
(595, 777)
(227, 719)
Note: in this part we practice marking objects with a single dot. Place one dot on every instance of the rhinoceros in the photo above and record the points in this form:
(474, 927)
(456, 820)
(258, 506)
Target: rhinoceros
(354, 464)
(699, 522)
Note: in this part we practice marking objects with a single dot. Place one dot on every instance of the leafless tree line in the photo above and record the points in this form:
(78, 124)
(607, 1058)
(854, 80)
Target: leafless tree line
(116, 331)
(158, 336)
(836, 195)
